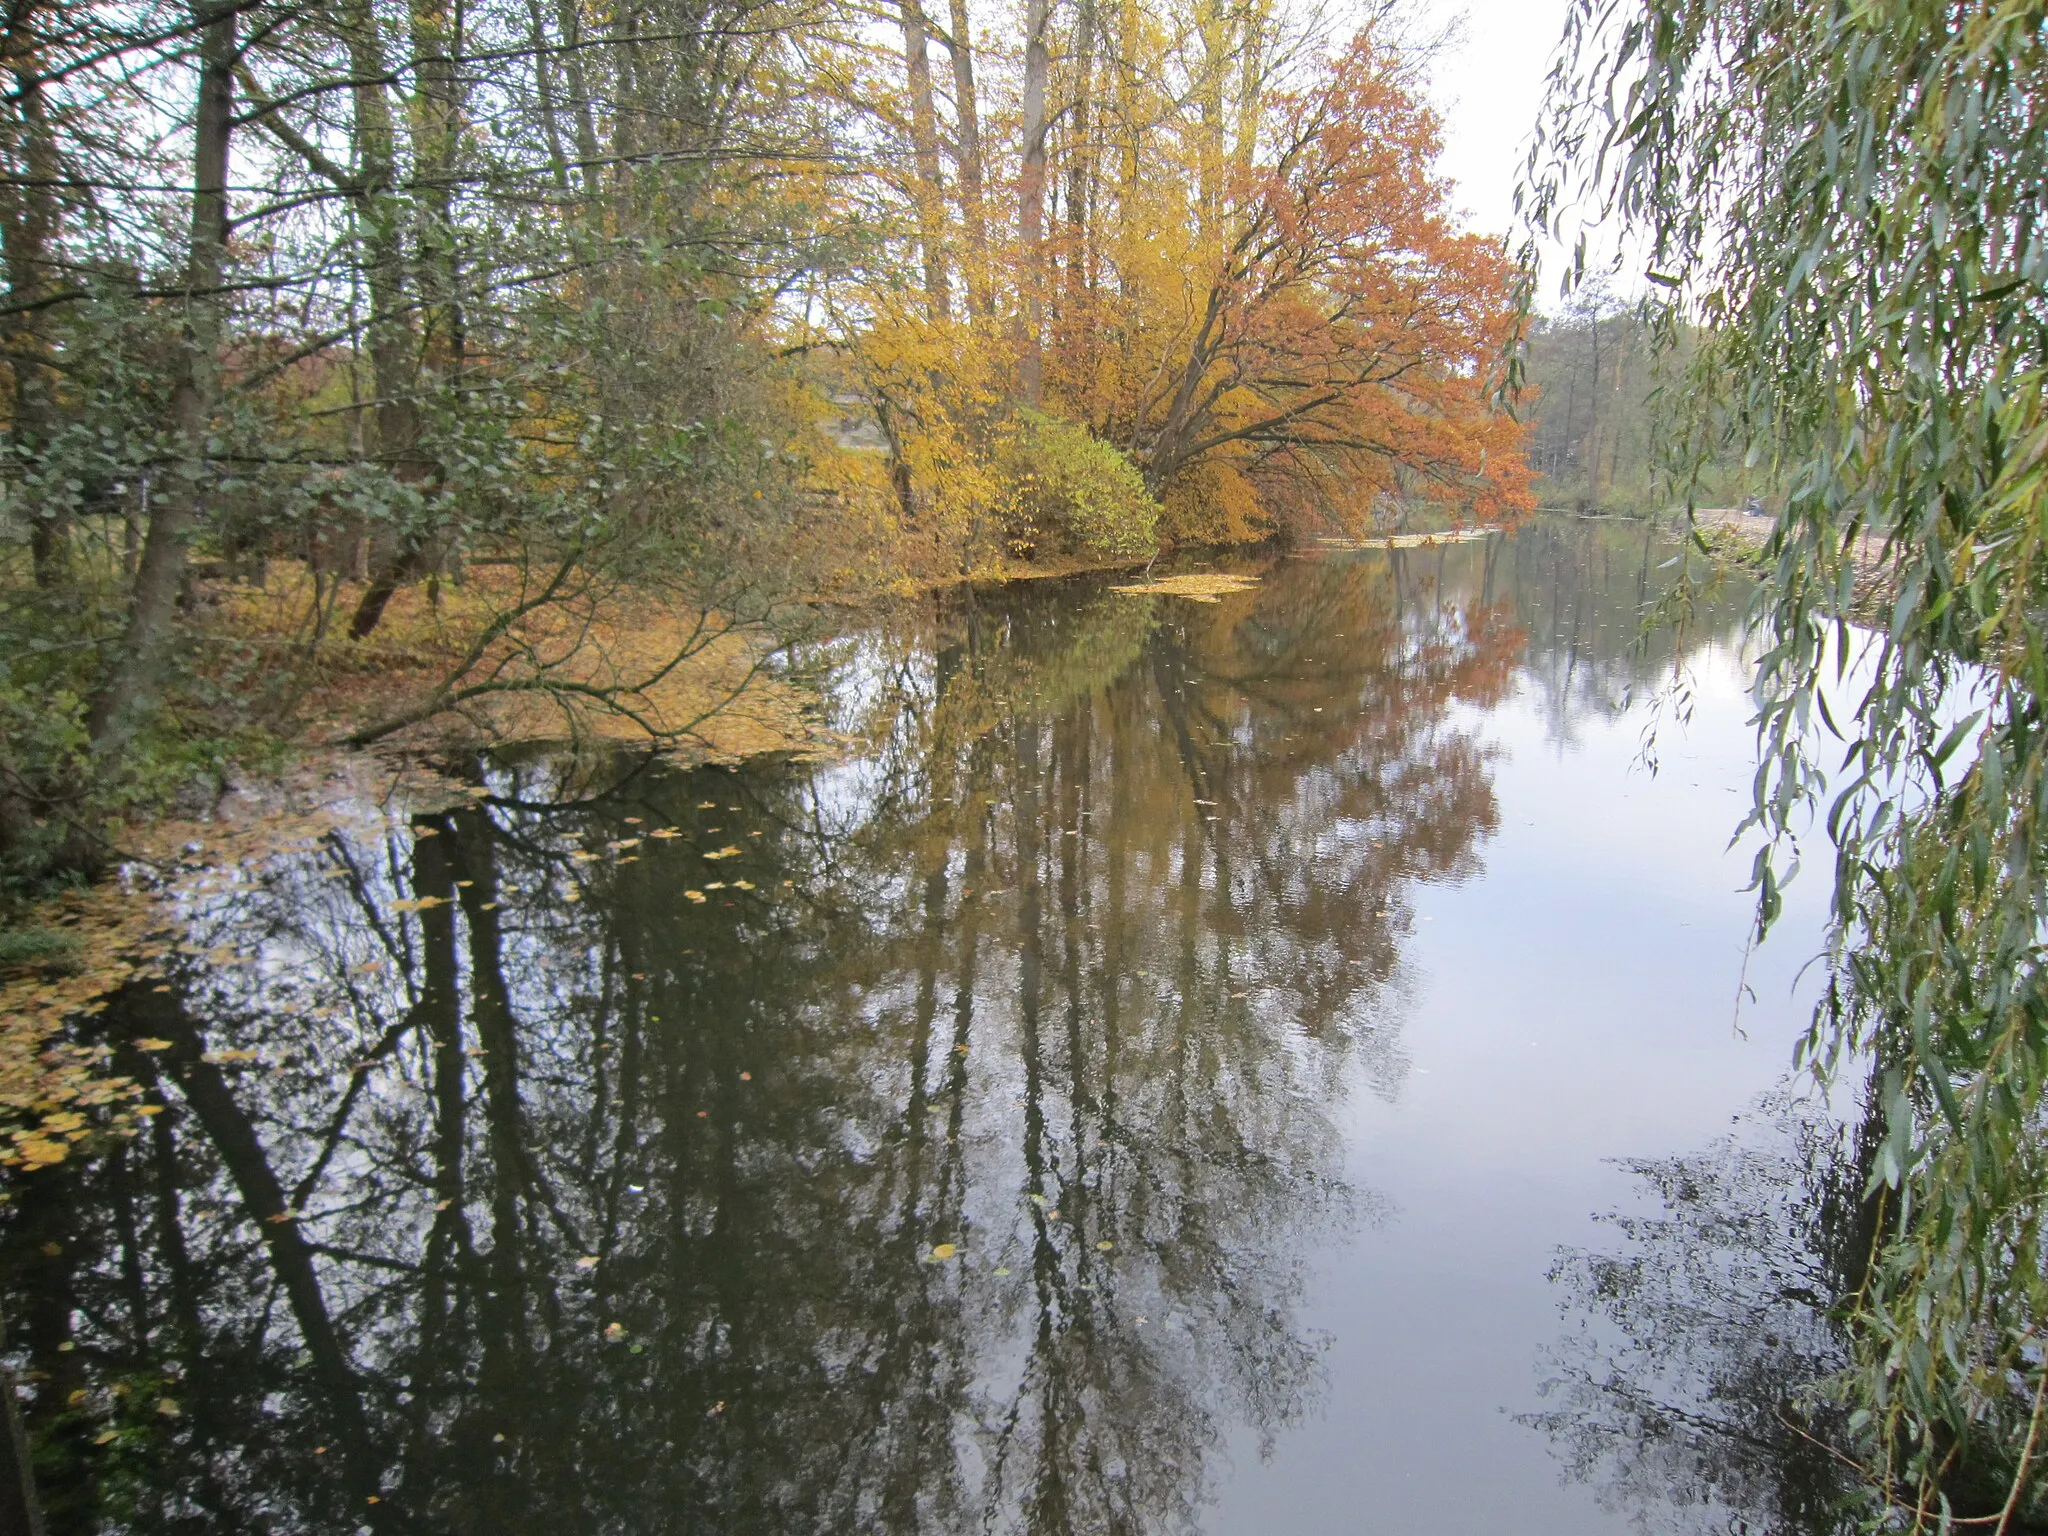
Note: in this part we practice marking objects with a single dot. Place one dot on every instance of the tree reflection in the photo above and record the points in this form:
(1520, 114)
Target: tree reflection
(1599, 599)
(917, 1143)
(1684, 1384)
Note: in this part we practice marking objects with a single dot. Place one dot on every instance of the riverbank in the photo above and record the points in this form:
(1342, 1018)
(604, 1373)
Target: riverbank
(1740, 538)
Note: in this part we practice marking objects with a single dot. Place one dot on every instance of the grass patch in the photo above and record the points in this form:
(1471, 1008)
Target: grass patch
(38, 949)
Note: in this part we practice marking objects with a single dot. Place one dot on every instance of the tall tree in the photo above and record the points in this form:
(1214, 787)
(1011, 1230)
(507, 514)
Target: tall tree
(967, 156)
(195, 389)
(1031, 201)
(924, 139)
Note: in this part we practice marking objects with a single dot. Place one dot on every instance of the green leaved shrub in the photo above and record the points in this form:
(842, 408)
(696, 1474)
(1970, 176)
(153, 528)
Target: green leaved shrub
(1067, 492)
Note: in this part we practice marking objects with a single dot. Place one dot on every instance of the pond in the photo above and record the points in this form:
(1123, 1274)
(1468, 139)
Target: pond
(1284, 1062)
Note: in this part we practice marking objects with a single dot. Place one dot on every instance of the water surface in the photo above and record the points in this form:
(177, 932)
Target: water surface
(1278, 1063)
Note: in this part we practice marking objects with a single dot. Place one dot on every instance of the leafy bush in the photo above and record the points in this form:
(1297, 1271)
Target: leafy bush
(1065, 488)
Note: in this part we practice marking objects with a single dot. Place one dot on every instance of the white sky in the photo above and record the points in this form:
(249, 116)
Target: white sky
(1490, 89)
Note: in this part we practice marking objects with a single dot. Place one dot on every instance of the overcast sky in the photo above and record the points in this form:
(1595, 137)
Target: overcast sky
(1490, 90)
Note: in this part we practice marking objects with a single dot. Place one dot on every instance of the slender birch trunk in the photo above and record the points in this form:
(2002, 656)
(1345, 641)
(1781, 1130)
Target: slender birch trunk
(28, 231)
(1031, 204)
(132, 683)
(924, 147)
(967, 156)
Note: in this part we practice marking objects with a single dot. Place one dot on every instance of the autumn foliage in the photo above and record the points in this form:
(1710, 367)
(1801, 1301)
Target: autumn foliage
(379, 377)
(1248, 281)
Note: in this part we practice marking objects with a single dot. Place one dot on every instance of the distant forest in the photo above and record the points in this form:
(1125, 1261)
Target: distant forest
(1602, 405)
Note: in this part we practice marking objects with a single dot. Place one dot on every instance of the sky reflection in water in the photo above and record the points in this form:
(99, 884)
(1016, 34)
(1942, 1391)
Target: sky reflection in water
(1167, 1083)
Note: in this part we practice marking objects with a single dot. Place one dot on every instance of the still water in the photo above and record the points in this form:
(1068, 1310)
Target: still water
(1279, 1063)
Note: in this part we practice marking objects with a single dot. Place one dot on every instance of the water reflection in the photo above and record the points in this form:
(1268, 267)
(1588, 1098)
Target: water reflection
(1686, 1377)
(922, 1142)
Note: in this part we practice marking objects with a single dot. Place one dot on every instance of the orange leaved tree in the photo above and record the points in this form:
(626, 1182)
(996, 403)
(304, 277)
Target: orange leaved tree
(1307, 338)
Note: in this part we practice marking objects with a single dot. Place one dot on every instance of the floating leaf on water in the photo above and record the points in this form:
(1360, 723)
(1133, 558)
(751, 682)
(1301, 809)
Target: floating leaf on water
(943, 1251)
(1105, 1245)
(168, 1407)
(1202, 586)
(1040, 1201)
(1002, 1269)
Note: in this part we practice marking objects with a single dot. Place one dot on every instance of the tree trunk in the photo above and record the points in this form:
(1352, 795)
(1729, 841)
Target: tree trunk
(544, 97)
(391, 340)
(1215, 33)
(437, 108)
(1080, 162)
(152, 603)
(1251, 100)
(924, 147)
(1593, 428)
(967, 109)
(28, 227)
(587, 150)
(1031, 203)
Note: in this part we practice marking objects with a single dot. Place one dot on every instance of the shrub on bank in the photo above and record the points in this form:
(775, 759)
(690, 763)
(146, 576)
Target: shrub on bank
(1067, 491)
